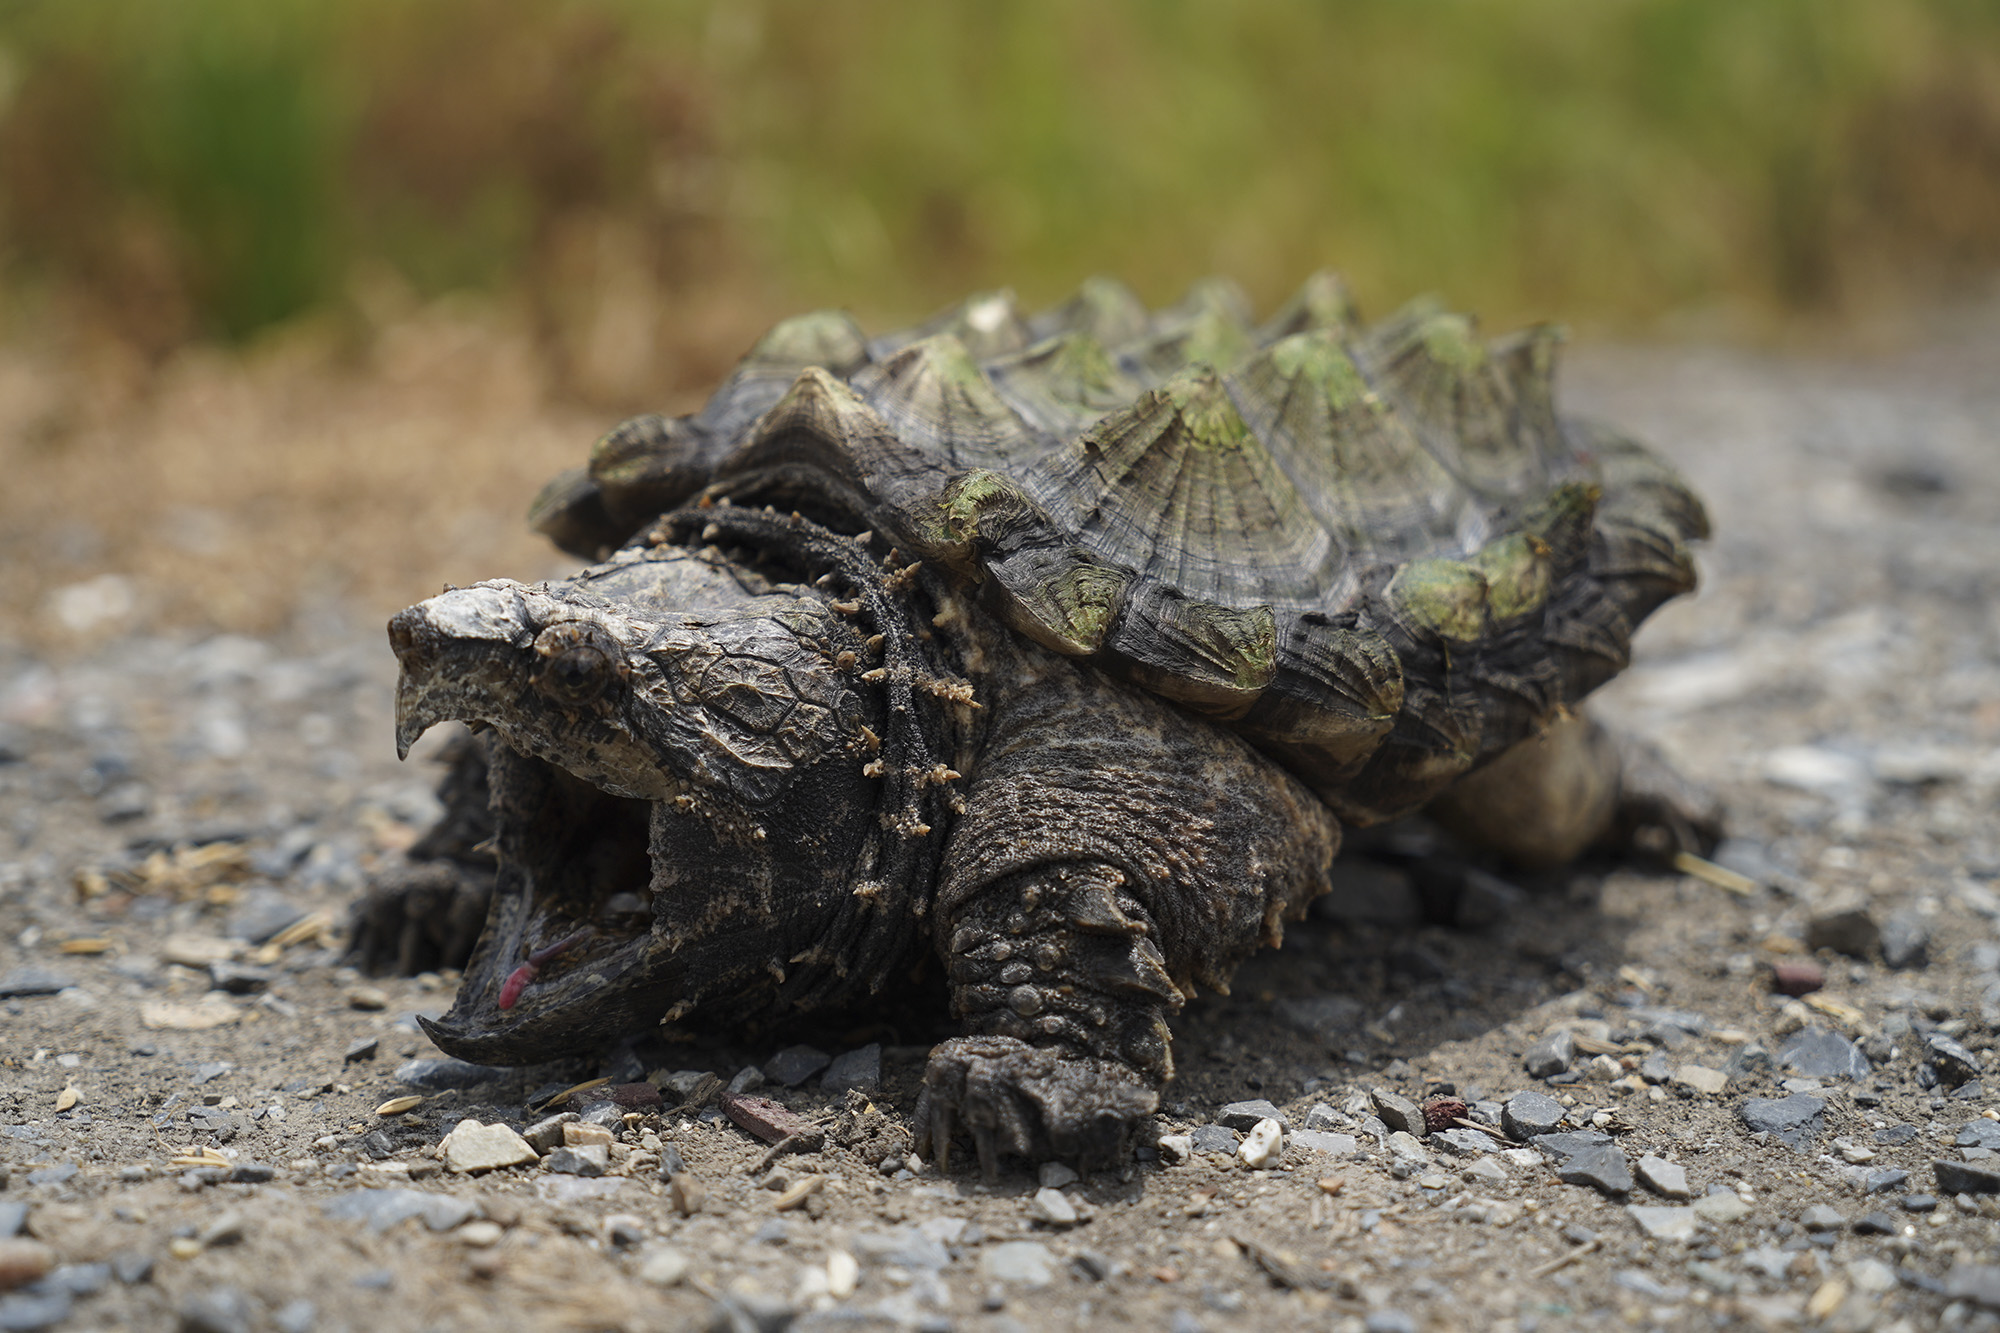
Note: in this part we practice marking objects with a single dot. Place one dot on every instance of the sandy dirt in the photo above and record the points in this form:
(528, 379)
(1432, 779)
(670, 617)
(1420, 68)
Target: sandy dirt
(195, 784)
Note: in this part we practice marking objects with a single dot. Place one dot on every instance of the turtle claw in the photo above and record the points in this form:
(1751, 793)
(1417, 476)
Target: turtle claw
(1036, 1103)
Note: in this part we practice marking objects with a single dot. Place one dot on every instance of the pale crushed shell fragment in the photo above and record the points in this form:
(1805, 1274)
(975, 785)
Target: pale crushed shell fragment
(472, 1146)
(843, 1274)
(67, 1098)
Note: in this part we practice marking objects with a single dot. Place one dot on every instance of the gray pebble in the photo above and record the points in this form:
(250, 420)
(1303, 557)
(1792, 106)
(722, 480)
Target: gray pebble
(795, 1064)
(1245, 1115)
(1918, 1203)
(1399, 1113)
(132, 1267)
(297, 1316)
(252, 1173)
(748, 1079)
(1323, 1116)
(211, 1071)
(1876, 1224)
(1213, 1139)
(33, 981)
(1906, 941)
(1601, 1166)
(545, 1136)
(1026, 1262)
(1565, 1145)
(1966, 1177)
(1655, 1068)
(1881, 1182)
(1822, 1217)
(1850, 930)
(363, 1048)
(82, 1279)
(239, 978)
(375, 1279)
(1551, 1055)
(858, 1070)
(440, 1074)
(1817, 1052)
(43, 1307)
(1890, 1136)
(13, 1216)
(217, 1310)
(1665, 1178)
(1794, 1121)
(1054, 1175)
(1980, 1133)
(58, 1174)
(260, 914)
(1389, 1321)
(1527, 1115)
(580, 1161)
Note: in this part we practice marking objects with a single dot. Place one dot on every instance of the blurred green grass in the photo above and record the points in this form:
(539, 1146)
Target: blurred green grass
(211, 168)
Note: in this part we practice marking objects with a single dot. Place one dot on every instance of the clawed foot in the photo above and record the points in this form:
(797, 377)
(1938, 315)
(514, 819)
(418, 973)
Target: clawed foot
(1037, 1103)
(419, 917)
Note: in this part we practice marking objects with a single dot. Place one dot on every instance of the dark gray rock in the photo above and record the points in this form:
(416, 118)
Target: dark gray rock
(1918, 1203)
(33, 981)
(211, 1071)
(545, 1136)
(1566, 1145)
(1978, 1283)
(1848, 930)
(1980, 1133)
(1245, 1115)
(1399, 1113)
(363, 1048)
(60, 1173)
(1655, 1068)
(1969, 1092)
(1551, 1055)
(1890, 1136)
(1213, 1139)
(1749, 1060)
(1601, 1166)
(857, 1070)
(1953, 1063)
(1906, 941)
(1528, 1115)
(1876, 1224)
(1794, 1121)
(378, 1145)
(1327, 1017)
(441, 1074)
(573, 1162)
(239, 978)
(82, 1279)
(132, 1267)
(1817, 1052)
(1967, 1177)
(795, 1064)
(252, 1173)
(1881, 1182)
(384, 1208)
(260, 914)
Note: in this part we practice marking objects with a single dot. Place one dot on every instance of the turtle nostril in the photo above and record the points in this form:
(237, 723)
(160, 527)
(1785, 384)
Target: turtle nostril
(403, 637)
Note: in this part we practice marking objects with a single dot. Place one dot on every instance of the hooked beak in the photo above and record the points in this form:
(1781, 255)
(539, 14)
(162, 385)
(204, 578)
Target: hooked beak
(455, 651)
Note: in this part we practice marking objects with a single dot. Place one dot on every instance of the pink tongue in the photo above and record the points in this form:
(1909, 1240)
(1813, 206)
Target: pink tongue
(517, 980)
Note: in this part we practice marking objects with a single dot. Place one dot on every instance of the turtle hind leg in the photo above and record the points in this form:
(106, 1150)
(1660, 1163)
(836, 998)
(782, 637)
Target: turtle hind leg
(1577, 787)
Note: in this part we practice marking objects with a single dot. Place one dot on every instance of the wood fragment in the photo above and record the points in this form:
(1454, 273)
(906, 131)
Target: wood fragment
(801, 1190)
(1560, 1262)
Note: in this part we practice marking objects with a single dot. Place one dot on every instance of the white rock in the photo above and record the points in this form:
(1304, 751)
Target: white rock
(1176, 1148)
(1486, 1171)
(843, 1272)
(1054, 1175)
(1263, 1145)
(1664, 1177)
(1052, 1207)
(1405, 1148)
(1333, 1145)
(1025, 1262)
(476, 1147)
(1664, 1223)
(664, 1266)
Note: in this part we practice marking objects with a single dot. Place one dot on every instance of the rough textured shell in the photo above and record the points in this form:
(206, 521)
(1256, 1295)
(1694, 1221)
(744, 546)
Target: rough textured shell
(1378, 552)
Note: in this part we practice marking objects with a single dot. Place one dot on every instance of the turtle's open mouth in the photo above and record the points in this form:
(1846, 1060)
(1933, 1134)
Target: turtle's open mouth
(569, 937)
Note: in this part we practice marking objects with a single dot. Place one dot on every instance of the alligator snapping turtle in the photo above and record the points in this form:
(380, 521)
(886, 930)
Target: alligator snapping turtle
(1061, 646)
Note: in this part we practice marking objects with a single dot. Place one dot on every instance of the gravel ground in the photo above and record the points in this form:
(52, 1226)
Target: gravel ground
(204, 1118)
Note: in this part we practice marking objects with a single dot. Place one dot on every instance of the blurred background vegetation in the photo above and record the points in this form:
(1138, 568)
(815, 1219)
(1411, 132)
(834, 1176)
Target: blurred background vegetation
(646, 175)
(301, 299)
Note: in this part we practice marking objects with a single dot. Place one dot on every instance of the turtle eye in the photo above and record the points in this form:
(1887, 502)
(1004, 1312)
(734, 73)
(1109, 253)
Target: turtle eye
(574, 670)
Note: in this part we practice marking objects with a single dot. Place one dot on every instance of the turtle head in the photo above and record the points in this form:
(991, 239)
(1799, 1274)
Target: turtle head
(679, 798)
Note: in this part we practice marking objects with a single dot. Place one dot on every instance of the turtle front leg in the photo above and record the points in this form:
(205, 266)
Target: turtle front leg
(1113, 853)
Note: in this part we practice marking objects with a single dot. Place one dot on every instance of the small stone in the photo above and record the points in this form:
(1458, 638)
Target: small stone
(768, 1120)
(1528, 1115)
(1968, 1092)
(1794, 1121)
(545, 1136)
(1967, 1177)
(225, 1228)
(748, 1079)
(1602, 1167)
(131, 1267)
(1906, 941)
(442, 1074)
(1823, 1217)
(1817, 1052)
(1954, 1064)
(1720, 1209)
(481, 1235)
(1052, 1207)
(1881, 1182)
(13, 1217)
(1664, 1223)
(476, 1147)
(1876, 1224)
(1399, 1113)
(368, 999)
(1655, 1069)
(1797, 976)
(1486, 1171)
(1890, 1136)
(23, 1261)
(1263, 1144)
(1323, 1116)
(1980, 1133)
(1406, 1148)
(252, 1173)
(1701, 1079)
(1388, 1321)
(795, 1064)
(1850, 930)
(663, 1266)
(1977, 1283)
(859, 1070)
(23, 981)
(1918, 1203)
(578, 1134)
(624, 1230)
(686, 1193)
(1213, 1139)
(1054, 1175)
(1668, 1179)
(1024, 1263)
(1176, 1148)
(362, 1049)
(1244, 1116)
(585, 1160)
(217, 1310)
(1551, 1055)
(1334, 1145)
(296, 1316)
